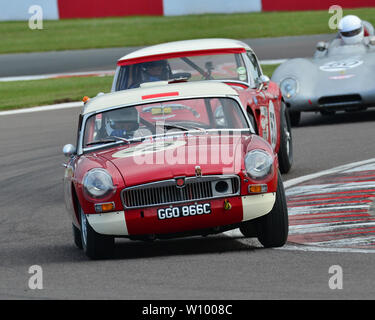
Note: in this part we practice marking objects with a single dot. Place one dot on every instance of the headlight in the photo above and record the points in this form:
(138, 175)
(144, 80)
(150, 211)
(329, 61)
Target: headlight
(97, 183)
(288, 87)
(258, 164)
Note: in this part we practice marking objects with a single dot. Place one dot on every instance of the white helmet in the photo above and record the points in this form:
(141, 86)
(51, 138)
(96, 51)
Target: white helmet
(351, 29)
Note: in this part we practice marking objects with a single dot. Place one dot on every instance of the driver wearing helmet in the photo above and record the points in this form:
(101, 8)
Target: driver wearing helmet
(155, 71)
(124, 122)
(353, 30)
(152, 71)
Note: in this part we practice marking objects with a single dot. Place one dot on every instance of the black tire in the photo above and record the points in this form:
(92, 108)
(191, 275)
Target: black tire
(95, 245)
(273, 227)
(285, 154)
(77, 237)
(295, 118)
(249, 228)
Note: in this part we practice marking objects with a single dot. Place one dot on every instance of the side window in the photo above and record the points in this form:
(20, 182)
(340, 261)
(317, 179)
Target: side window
(121, 79)
(128, 77)
(254, 66)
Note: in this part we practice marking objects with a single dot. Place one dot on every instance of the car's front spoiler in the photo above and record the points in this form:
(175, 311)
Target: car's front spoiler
(138, 221)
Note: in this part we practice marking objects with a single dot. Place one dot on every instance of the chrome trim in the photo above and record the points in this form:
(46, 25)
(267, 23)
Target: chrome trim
(154, 191)
(251, 81)
(115, 77)
(69, 150)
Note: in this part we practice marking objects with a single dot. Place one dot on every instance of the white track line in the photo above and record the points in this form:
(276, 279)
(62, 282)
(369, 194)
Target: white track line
(350, 167)
(272, 61)
(323, 249)
(316, 248)
(345, 167)
(59, 75)
(93, 73)
(43, 108)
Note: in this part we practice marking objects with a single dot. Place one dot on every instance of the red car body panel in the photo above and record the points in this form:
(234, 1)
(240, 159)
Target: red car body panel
(255, 100)
(145, 221)
(125, 173)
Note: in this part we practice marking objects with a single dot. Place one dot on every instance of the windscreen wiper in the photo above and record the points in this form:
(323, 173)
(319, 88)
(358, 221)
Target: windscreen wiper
(111, 139)
(103, 141)
(175, 126)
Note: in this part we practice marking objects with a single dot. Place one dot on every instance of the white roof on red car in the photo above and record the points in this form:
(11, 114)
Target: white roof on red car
(186, 46)
(158, 91)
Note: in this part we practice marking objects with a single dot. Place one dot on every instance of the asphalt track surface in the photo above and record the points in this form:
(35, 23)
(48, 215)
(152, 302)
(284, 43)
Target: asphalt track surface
(22, 64)
(35, 230)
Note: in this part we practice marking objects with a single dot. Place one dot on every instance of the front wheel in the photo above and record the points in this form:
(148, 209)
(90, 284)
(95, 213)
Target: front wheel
(95, 245)
(295, 118)
(285, 154)
(77, 237)
(273, 227)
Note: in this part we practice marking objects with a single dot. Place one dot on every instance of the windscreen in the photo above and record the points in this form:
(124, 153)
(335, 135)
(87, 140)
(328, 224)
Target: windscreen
(168, 117)
(203, 67)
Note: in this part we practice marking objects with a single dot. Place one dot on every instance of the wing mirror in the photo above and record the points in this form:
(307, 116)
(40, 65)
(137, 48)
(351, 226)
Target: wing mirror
(263, 82)
(69, 150)
(322, 46)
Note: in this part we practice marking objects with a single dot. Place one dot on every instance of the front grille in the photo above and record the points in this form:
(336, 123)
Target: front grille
(167, 192)
(343, 100)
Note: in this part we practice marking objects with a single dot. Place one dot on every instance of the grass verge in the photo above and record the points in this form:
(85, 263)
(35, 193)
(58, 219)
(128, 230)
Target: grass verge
(23, 94)
(139, 31)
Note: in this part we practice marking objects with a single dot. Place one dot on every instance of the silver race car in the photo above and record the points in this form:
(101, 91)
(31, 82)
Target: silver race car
(338, 77)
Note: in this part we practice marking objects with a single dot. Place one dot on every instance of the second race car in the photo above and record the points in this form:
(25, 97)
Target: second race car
(223, 60)
(338, 77)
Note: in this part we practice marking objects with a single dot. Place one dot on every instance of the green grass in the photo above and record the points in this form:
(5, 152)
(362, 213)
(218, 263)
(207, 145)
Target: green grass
(269, 69)
(23, 94)
(139, 31)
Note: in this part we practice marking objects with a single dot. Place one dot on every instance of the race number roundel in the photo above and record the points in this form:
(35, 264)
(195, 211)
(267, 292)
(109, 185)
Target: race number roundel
(273, 125)
(341, 65)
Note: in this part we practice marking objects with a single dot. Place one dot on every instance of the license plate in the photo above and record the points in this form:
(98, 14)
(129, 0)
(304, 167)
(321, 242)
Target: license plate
(184, 211)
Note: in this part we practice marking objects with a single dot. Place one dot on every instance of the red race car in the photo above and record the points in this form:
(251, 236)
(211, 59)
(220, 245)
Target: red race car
(225, 60)
(168, 160)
